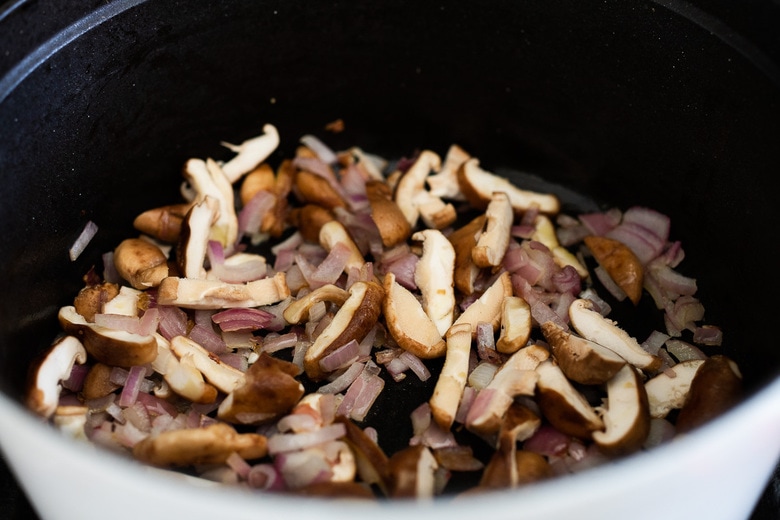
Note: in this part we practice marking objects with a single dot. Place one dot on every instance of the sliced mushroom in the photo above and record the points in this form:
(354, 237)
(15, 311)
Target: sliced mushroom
(544, 232)
(412, 183)
(591, 325)
(298, 310)
(261, 178)
(452, 380)
(517, 376)
(184, 379)
(620, 263)
(269, 391)
(434, 276)
(407, 322)
(516, 323)
(313, 189)
(626, 416)
(669, 390)
(214, 294)
(141, 263)
(309, 220)
(334, 232)
(48, 372)
(444, 183)
(212, 444)
(494, 240)
(715, 388)
(91, 298)
(112, 347)
(412, 473)
(371, 461)
(97, 382)
(434, 212)
(194, 238)
(221, 375)
(250, 153)
(127, 303)
(580, 359)
(463, 240)
(71, 420)
(563, 405)
(209, 180)
(353, 320)
(487, 308)
(337, 490)
(513, 469)
(478, 186)
(163, 223)
(388, 217)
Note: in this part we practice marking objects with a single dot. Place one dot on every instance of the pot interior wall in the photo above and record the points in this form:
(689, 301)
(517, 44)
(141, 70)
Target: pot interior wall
(613, 103)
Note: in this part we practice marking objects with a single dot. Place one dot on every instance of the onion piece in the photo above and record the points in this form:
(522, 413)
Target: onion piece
(83, 240)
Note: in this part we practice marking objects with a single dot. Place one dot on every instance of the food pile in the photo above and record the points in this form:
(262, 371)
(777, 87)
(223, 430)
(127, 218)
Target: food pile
(191, 350)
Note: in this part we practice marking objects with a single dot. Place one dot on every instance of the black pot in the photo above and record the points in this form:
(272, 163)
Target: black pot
(660, 104)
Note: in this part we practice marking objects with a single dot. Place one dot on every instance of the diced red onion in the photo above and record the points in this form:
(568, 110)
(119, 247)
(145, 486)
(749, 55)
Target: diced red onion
(285, 442)
(276, 342)
(207, 338)
(416, 365)
(708, 335)
(132, 385)
(83, 240)
(341, 357)
(242, 319)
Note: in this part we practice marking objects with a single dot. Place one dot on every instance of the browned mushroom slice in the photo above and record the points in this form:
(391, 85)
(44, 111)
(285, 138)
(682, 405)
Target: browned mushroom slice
(337, 490)
(412, 183)
(412, 473)
(212, 444)
(184, 379)
(109, 346)
(97, 382)
(494, 240)
(433, 274)
(452, 380)
(261, 178)
(620, 263)
(563, 405)
(313, 189)
(269, 390)
(434, 212)
(353, 320)
(478, 186)
(221, 375)
(407, 322)
(214, 294)
(517, 376)
(371, 461)
(487, 308)
(516, 323)
(626, 416)
(463, 240)
(514, 468)
(388, 217)
(250, 153)
(91, 298)
(72, 420)
(581, 360)
(669, 390)
(309, 219)
(48, 372)
(593, 326)
(298, 310)
(141, 263)
(715, 388)
(163, 223)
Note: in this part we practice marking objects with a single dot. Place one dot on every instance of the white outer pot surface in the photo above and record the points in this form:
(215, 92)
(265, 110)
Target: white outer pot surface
(718, 472)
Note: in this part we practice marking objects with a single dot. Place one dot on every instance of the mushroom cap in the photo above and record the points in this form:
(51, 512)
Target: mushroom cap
(627, 416)
(581, 360)
(388, 217)
(212, 444)
(620, 263)
(163, 223)
(463, 240)
(214, 294)
(563, 405)
(715, 388)
(408, 323)
(516, 324)
(487, 308)
(593, 326)
(453, 376)
(45, 376)
(412, 182)
(494, 240)
(298, 310)
(140, 262)
(412, 472)
(112, 347)
(269, 391)
(221, 375)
